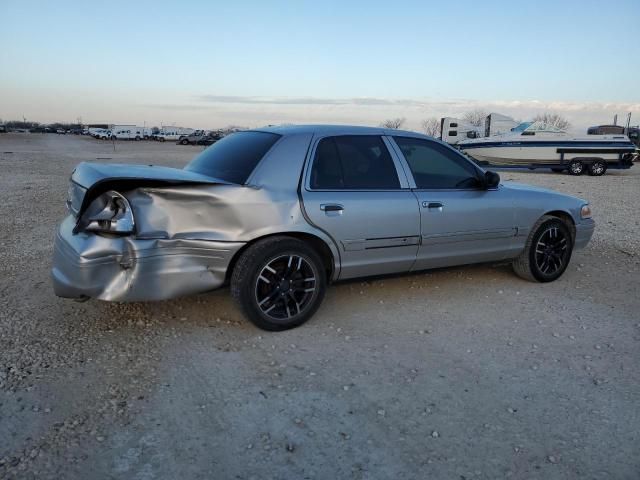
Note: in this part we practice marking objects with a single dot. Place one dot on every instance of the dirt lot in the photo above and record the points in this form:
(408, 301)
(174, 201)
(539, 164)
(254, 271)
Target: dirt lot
(463, 373)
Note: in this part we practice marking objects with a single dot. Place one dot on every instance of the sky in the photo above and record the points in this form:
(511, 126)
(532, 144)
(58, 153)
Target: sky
(208, 64)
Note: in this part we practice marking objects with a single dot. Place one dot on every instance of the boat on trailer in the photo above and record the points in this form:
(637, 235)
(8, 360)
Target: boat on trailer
(540, 145)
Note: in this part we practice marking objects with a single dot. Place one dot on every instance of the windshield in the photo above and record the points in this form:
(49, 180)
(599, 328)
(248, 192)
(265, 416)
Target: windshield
(233, 158)
(522, 127)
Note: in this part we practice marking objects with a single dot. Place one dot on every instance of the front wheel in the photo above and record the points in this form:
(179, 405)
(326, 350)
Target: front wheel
(184, 141)
(279, 283)
(547, 251)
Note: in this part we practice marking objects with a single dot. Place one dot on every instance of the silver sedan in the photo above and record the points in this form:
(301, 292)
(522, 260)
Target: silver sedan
(280, 212)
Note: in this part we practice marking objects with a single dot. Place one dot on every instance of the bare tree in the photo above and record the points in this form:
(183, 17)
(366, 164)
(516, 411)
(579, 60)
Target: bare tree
(393, 123)
(431, 127)
(553, 119)
(475, 117)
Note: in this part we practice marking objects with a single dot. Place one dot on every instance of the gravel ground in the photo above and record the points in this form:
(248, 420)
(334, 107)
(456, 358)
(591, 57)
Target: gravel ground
(462, 373)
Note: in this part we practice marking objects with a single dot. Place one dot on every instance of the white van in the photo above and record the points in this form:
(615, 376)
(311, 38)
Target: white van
(126, 132)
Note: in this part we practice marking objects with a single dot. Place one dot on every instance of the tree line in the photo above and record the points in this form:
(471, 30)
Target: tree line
(431, 126)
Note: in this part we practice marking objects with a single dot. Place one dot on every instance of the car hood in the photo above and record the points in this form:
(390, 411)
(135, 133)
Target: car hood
(533, 188)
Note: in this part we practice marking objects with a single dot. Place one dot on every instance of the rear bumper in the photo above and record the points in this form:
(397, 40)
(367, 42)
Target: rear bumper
(584, 232)
(127, 269)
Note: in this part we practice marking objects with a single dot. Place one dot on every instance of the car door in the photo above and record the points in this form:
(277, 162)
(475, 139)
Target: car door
(358, 194)
(460, 220)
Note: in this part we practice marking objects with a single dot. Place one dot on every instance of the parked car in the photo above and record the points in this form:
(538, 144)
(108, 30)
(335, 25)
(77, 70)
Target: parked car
(191, 139)
(280, 212)
(173, 133)
(209, 139)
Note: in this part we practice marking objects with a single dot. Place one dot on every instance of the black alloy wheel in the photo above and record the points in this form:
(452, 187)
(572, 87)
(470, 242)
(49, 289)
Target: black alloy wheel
(279, 282)
(285, 286)
(552, 251)
(547, 251)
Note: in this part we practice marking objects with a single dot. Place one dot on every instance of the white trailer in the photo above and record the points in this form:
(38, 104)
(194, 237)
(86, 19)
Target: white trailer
(454, 130)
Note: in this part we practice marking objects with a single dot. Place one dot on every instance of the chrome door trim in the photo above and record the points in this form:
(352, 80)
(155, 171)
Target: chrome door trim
(405, 178)
(403, 161)
(374, 243)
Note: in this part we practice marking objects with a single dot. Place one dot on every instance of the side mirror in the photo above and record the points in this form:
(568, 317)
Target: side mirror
(491, 179)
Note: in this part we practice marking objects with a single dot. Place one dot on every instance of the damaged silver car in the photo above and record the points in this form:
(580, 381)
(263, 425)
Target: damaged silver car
(279, 212)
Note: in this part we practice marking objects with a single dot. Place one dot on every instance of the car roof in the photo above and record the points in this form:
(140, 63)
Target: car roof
(337, 130)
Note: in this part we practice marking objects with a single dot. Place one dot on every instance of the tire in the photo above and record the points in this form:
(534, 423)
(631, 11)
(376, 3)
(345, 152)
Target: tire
(161, 139)
(184, 141)
(263, 277)
(597, 168)
(533, 263)
(576, 167)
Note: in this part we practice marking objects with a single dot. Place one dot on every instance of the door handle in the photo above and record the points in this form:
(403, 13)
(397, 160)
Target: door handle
(432, 205)
(331, 207)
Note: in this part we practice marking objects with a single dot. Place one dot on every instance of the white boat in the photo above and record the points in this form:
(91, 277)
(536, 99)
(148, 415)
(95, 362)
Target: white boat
(537, 144)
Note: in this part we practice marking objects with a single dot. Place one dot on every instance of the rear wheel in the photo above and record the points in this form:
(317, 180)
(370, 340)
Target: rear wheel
(597, 168)
(576, 167)
(184, 141)
(547, 251)
(279, 283)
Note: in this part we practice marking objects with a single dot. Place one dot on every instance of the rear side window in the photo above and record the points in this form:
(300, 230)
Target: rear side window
(435, 166)
(353, 162)
(233, 158)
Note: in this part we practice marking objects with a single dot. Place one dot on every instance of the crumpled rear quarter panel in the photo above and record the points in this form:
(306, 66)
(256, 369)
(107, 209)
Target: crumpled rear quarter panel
(131, 269)
(220, 212)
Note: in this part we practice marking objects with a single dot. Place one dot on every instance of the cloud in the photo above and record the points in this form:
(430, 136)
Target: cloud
(247, 100)
(214, 111)
(261, 110)
(461, 103)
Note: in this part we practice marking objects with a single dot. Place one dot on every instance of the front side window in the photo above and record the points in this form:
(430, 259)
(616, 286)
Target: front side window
(353, 162)
(233, 158)
(436, 166)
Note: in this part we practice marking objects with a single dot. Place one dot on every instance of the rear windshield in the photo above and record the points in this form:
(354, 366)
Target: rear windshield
(233, 158)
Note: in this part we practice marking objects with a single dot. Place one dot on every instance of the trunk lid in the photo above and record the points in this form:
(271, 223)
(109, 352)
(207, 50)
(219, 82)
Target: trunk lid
(89, 180)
